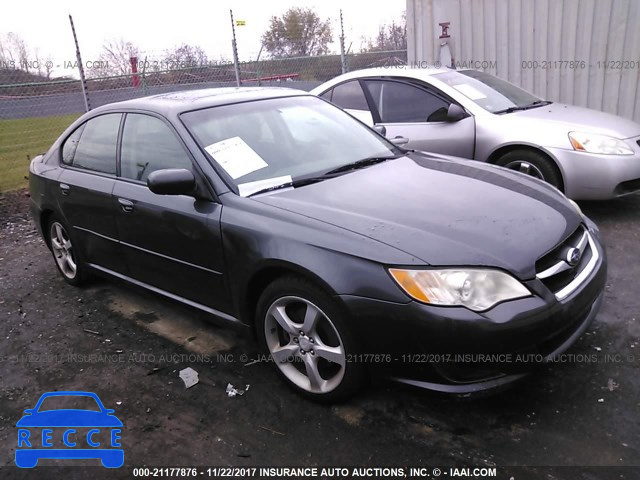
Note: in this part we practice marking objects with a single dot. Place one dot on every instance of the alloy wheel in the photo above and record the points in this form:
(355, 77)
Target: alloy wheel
(305, 344)
(63, 250)
(527, 168)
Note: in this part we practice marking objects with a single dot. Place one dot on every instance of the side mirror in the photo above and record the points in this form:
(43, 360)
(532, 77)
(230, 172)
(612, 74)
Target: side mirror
(29, 411)
(381, 129)
(172, 181)
(455, 113)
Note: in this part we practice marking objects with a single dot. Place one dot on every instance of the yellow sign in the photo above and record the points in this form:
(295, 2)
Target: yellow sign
(240, 23)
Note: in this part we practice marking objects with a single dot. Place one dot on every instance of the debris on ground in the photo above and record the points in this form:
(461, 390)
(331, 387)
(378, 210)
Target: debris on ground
(270, 430)
(253, 362)
(611, 385)
(233, 391)
(189, 376)
(93, 332)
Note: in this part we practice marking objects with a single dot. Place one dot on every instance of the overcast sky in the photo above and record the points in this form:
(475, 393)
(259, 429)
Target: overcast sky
(156, 26)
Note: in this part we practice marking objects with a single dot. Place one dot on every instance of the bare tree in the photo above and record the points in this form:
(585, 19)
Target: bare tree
(298, 33)
(391, 36)
(14, 51)
(115, 59)
(185, 56)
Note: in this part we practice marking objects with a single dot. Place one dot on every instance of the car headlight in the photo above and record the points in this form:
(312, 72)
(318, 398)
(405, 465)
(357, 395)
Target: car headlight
(602, 144)
(476, 289)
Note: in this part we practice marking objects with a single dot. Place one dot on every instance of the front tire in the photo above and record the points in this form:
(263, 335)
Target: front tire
(66, 256)
(533, 164)
(306, 334)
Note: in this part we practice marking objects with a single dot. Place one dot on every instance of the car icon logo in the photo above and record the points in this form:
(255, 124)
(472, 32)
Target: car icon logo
(573, 256)
(90, 432)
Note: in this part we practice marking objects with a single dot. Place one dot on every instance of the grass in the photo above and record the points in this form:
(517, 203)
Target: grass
(22, 137)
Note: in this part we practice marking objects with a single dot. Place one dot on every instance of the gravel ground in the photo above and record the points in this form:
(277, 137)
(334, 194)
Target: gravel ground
(128, 346)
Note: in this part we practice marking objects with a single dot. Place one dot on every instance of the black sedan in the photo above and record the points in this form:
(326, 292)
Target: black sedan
(347, 254)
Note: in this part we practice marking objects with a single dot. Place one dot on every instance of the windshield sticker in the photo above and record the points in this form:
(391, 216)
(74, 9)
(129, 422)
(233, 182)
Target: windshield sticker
(246, 189)
(236, 157)
(469, 91)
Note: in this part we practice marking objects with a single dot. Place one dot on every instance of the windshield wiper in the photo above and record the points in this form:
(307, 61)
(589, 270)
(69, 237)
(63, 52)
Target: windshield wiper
(365, 162)
(301, 182)
(537, 103)
(293, 184)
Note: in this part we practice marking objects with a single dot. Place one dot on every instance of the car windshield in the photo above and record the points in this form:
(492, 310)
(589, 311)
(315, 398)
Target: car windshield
(278, 140)
(69, 402)
(489, 92)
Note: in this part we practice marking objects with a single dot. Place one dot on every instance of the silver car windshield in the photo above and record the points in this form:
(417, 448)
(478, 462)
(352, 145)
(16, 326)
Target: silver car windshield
(276, 140)
(489, 92)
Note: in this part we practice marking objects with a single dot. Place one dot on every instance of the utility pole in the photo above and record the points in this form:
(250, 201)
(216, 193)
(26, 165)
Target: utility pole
(343, 57)
(83, 81)
(234, 46)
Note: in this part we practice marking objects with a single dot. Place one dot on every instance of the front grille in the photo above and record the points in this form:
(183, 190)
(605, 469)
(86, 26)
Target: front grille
(559, 272)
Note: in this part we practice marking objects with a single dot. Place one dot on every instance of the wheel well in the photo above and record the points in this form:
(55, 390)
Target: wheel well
(44, 221)
(261, 279)
(493, 158)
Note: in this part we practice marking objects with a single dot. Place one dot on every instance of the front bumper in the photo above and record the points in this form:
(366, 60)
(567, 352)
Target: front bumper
(589, 176)
(456, 350)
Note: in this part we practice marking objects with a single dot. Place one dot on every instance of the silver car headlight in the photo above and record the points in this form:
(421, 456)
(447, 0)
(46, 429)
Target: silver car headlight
(601, 144)
(475, 288)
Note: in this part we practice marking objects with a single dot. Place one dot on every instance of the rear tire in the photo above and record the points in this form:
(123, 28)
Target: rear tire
(533, 164)
(307, 336)
(66, 256)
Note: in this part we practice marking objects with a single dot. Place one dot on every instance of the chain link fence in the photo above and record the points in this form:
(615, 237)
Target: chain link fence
(34, 110)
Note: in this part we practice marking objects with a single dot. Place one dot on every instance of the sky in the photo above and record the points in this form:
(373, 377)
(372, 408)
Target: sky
(155, 26)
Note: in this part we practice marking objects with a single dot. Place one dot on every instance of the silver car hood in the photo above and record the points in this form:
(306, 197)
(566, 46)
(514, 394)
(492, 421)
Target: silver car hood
(572, 118)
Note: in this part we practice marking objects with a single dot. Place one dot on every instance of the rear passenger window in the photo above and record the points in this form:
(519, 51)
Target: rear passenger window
(93, 145)
(327, 95)
(148, 144)
(350, 95)
(70, 145)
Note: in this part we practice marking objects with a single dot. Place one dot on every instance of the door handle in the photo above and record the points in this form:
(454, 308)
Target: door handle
(398, 140)
(64, 188)
(126, 205)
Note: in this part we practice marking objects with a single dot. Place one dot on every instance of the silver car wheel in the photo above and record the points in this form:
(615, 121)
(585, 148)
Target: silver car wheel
(63, 250)
(525, 167)
(305, 344)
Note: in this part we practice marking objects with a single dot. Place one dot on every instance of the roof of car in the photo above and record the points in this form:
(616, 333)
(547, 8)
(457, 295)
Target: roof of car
(185, 100)
(390, 71)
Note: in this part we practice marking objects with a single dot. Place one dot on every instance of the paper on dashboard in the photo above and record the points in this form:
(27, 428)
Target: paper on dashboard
(469, 91)
(236, 157)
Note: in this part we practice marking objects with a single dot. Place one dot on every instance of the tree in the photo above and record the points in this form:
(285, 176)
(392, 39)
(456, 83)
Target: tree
(185, 56)
(391, 36)
(14, 52)
(298, 33)
(115, 59)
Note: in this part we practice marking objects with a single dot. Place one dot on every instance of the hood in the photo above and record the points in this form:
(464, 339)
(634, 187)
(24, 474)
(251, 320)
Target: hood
(580, 119)
(445, 212)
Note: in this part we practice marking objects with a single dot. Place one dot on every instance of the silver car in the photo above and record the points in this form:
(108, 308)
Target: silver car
(467, 113)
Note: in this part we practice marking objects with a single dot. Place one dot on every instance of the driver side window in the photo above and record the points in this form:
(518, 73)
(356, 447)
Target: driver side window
(148, 144)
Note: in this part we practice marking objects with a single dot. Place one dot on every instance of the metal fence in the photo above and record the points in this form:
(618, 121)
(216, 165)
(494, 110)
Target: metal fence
(63, 97)
(34, 112)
